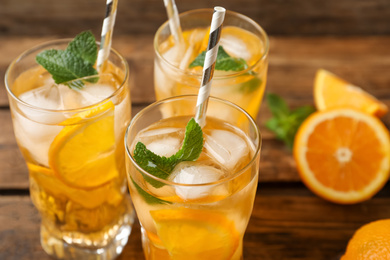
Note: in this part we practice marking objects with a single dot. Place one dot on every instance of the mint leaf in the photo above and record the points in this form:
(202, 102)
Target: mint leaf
(76, 62)
(148, 198)
(251, 85)
(84, 46)
(224, 61)
(192, 144)
(161, 166)
(277, 105)
(227, 63)
(64, 66)
(285, 123)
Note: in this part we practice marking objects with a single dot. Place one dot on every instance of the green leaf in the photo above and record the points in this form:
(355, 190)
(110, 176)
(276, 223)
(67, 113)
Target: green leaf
(76, 62)
(158, 166)
(224, 61)
(192, 144)
(148, 198)
(277, 105)
(251, 85)
(161, 166)
(84, 46)
(64, 66)
(285, 123)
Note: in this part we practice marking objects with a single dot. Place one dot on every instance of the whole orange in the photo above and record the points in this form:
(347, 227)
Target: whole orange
(371, 241)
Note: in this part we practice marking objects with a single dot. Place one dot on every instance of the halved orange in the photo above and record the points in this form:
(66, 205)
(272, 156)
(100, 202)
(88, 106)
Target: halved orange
(196, 234)
(83, 154)
(343, 155)
(331, 91)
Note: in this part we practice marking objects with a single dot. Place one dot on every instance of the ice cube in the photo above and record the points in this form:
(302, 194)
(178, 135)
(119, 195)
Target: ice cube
(94, 93)
(47, 97)
(35, 137)
(226, 147)
(165, 147)
(90, 94)
(35, 129)
(197, 173)
(241, 43)
(163, 141)
(173, 55)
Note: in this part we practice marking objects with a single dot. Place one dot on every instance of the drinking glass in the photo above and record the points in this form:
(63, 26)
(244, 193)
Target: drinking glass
(72, 142)
(241, 37)
(202, 209)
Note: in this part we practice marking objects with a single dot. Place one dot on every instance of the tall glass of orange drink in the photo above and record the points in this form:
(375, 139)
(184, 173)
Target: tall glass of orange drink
(241, 70)
(193, 189)
(72, 141)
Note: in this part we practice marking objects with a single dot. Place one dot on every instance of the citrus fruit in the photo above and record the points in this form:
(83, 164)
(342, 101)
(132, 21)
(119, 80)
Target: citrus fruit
(83, 154)
(371, 241)
(331, 91)
(88, 199)
(343, 155)
(196, 234)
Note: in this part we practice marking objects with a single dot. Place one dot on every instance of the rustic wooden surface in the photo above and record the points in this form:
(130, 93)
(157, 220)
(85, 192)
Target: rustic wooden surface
(347, 37)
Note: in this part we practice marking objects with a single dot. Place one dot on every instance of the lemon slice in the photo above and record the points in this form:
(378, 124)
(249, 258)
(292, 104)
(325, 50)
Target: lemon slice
(83, 154)
(331, 91)
(196, 234)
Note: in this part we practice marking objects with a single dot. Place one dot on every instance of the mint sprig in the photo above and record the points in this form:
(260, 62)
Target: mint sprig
(224, 61)
(285, 122)
(148, 197)
(161, 166)
(73, 63)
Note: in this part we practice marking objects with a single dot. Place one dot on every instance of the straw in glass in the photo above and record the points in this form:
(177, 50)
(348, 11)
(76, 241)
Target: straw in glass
(209, 64)
(174, 21)
(107, 31)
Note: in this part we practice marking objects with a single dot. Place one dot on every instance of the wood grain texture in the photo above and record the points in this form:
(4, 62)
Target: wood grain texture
(278, 17)
(288, 222)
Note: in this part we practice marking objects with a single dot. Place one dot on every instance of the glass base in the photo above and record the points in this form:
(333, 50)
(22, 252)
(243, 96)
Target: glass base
(60, 249)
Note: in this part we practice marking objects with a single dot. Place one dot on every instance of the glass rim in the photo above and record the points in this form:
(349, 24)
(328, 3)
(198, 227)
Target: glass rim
(228, 178)
(233, 73)
(44, 46)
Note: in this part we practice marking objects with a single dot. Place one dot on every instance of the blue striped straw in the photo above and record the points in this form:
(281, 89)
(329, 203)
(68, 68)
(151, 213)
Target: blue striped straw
(209, 64)
(107, 31)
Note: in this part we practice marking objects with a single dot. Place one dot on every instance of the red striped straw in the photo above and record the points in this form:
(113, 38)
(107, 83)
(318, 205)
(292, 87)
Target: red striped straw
(174, 21)
(107, 31)
(209, 64)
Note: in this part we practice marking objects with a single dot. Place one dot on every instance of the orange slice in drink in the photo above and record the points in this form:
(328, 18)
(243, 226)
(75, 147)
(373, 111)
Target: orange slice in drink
(83, 154)
(343, 155)
(331, 91)
(196, 234)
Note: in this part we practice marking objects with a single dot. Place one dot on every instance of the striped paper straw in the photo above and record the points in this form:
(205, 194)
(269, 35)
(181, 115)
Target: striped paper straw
(174, 21)
(107, 30)
(209, 64)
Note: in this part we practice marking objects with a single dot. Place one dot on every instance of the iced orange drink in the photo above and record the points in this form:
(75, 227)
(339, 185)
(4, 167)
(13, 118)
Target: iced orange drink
(71, 136)
(193, 189)
(241, 69)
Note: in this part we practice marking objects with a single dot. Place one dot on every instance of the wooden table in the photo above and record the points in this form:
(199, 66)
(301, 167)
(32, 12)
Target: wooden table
(350, 38)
